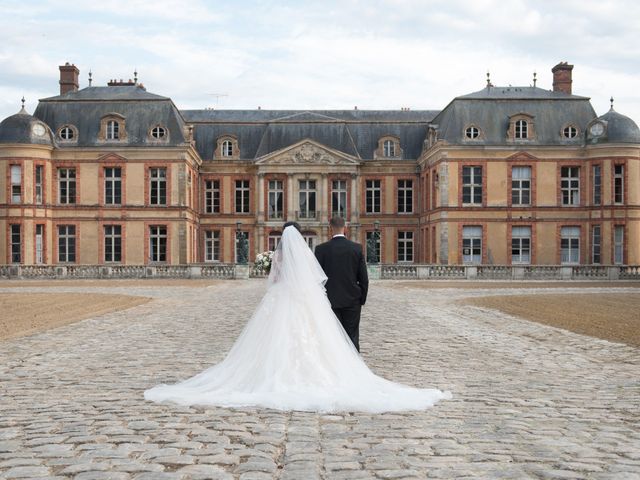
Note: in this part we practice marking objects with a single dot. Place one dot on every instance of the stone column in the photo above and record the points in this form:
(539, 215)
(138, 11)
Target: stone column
(323, 199)
(290, 207)
(355, 211)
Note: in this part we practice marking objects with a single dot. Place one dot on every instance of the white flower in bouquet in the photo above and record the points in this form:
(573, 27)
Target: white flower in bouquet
(263, 261)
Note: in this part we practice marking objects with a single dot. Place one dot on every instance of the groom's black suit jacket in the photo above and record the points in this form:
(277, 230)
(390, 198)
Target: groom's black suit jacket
(343, 263)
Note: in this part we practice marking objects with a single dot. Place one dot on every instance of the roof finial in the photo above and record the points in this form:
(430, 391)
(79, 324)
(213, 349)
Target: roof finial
(488, 79)
(90, 75)
(611, 100)
(534, 78)
(135, 75)
(23, 100)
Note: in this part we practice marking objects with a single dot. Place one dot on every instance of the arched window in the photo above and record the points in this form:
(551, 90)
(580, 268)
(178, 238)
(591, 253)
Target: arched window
(472, 132)
(158, 132)
(113, 130)
(227, 148)
(570, 131)
(521, 129)
(389, 148)
(67, 133)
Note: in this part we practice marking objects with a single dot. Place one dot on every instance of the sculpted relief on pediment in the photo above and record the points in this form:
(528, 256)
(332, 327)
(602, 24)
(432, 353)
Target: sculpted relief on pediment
(307, 154)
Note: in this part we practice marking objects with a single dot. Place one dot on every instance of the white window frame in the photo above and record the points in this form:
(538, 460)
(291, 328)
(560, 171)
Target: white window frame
(472, 244)
(570, 245)
(405, 196)
(39, 182)
(16, 183)
(596, 244)
(227, 148)
(113, 130)
(113, 185)
(15, 233)
(618, 184)
(521, 185)
(307, 196)
(273, 240)
(112, 243)
(39, 243)
(339, 198)
(67, 245)
(405, 246)
(389, 148)
(275, 199)
(242, 196)
(158, 186)
(373, 195)
(473, 187)
(521, 129)
(158, 242)
(597, 184)
(521, 242)
(212, 246)
(570, 186)
(212, 196)
(158, 132)
(67, 186)
(618, 244)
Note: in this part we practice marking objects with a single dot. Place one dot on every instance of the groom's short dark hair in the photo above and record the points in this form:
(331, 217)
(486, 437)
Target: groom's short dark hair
(292, 224)
(337, 222)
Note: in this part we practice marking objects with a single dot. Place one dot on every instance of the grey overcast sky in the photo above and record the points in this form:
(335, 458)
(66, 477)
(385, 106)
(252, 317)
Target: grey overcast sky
(331, 54)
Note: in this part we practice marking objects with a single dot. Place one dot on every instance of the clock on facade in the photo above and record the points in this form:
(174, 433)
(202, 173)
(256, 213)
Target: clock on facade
(39, 129)
(596, 129)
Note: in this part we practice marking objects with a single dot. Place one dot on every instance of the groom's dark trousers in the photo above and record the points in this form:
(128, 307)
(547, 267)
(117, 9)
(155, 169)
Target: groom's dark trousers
(343, 262)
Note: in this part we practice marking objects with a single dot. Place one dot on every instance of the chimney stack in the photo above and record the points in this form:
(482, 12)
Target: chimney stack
(69, 78)
(562, 77)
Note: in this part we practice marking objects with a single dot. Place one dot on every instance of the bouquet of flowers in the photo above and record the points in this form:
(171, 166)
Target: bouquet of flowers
(263, 261)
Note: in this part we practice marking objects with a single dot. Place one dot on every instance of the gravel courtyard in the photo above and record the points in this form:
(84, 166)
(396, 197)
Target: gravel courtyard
(529, 400)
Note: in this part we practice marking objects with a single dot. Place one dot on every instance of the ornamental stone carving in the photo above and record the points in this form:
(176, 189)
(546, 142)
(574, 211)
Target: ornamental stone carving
(307, 154)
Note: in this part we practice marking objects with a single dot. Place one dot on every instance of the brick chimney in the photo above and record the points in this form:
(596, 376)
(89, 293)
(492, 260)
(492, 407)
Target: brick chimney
(562, 77)
(69, 78)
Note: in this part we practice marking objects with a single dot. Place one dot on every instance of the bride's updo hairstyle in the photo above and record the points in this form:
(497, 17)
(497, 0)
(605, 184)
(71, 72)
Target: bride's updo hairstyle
(292, 224)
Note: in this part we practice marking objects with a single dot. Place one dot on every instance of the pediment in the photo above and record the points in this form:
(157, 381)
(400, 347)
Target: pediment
(521, 157)
(111, 157)
(306, 116)
(307, 152)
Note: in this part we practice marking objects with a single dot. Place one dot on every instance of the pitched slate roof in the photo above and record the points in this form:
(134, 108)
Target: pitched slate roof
(491, 108)
(85, 108)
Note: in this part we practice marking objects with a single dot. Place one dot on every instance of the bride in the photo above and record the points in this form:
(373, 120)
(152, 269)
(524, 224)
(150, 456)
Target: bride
(293, 354)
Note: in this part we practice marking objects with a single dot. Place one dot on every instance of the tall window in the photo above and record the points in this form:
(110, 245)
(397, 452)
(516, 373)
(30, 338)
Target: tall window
(597, 184)
(520, 244)
(274, 240)
(405, 246)
(373, 194)
(212, 246)
(158, 186)
(307, 196)
(618, 184)
(242, 196)
(112, 243)
(276, 199)
(16, 244)
(373, 238)
(113, 130)
(158, 243)
(570, 185)
(212, 196)
(66, 243)
(596, 245)
(16, 183)
(570, 245)
(39, 243)
(521, 185)
(389, 148)
(522, 129)
(67, 185)
(339, 198)
(227, 148)
(472, 244)
(618, 244)
(472, 185)
(311, 239)
(405, 196)
(113, 186)
(39, 184)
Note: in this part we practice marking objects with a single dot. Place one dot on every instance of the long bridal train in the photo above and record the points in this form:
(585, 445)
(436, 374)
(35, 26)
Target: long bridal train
(293, 354)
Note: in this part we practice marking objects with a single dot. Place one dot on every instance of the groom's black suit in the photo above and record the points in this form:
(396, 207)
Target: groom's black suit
(347, 285)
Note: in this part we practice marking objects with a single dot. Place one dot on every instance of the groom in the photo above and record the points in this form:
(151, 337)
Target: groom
(343, 263)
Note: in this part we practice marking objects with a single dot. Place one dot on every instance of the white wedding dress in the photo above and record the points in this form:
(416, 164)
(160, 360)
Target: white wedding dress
(293, 354)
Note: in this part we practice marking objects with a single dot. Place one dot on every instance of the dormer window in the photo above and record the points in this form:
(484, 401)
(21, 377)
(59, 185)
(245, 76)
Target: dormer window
(227, 147)
(570, 131)
(113, 130)
(388, 147)
(158, 132)
(472, 132)
(67, 133)
(522, 129)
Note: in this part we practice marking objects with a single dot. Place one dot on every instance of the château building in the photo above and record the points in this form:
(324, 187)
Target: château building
(506, 175)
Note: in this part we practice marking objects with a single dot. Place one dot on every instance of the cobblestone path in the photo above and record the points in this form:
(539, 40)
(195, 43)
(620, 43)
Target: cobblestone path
(529, 401)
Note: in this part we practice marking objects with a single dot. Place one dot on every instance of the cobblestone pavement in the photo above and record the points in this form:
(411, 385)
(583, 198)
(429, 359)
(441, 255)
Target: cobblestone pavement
(529, 401)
